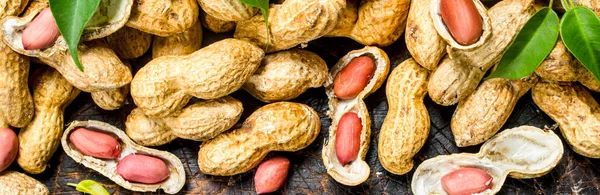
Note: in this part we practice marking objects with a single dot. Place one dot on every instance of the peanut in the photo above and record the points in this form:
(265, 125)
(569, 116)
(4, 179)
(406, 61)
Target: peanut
(42, 32)
(215, 25)
(180, 44)
(560, 65)
(462, 20)
(129, 43)
(95, 144)
(9, 145)
(282, 126)
(347, 138)
(163, 17)
(588, 80)
(228, 10)
(422, 40)
(143, 169)
(354, 77)
(15, 99)
(112, 99)
(12, 182)
(271, 175)
(466, 181)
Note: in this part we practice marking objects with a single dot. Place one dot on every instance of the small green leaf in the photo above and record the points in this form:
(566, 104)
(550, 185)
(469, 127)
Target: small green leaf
(531, 46)
(579, 30)
(90, 187)
(263, 5)
(71, 17)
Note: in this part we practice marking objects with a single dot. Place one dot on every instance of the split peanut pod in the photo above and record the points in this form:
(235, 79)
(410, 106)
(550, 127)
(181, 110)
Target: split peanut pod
(12, 7)
(282, 126)
(464, 25)
(129, 43)
(355, 76)
(588, 80)
(114, 169)
(228, 10)
(180, 44)
(286, 75)
(15, 99)
(112, 99)
(215, 25)
(12, 182)
(163, 17)
(199, 122)
(484, 112)
(39, 139)
(292, 23)
(576, 112)
(406, 125)
(522, 152)
(560, 65)
(166, 84)
(422, 39)
(457, 77)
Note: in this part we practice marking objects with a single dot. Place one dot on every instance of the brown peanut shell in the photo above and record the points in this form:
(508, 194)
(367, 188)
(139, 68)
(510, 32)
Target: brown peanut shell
(166, 84)
(163, 17)
(442, 29)
(560, 65)
(215, 25)
(12, 7)
(180, 44)
(588, 80)
(286, 75)
(406, 125)
(12, 182)
(15, 99)
(199, 122)
(129, 43)
(422, 39)
(173, 184)
(39, 139)
(576, 112)
(357, 171)
(228, 10)
(282, 126)
(380, 23)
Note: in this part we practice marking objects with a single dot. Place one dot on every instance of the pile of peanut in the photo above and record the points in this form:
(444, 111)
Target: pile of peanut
(183, 91)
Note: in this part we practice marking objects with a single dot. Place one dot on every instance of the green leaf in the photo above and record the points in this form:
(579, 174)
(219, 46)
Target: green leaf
(531, 46)
(71, 17)
(90, 187)
(263, 5)
(580, 31)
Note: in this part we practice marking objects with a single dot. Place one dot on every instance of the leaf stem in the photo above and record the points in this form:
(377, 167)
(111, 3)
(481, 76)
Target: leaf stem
(551, 4)
(72, 184)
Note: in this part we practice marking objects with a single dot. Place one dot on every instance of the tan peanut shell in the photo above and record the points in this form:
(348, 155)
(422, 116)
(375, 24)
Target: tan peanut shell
(40, 138)
(406, 125)
(588, 80)
(163, 17)
(16, 104)
(484, 112)
(12, 7)
(228, 10)
(111, 99)
(286, 75)
(357, 171)
(282, 126)
(166, 84)
(108, 167)
(215, 25)
(422, 39)
(129, 43)
(199, 122)
(457, 77)
(576, 112)
(442, 29)
(292, 23)
(560, 65)
(180, 44)
(12, 182)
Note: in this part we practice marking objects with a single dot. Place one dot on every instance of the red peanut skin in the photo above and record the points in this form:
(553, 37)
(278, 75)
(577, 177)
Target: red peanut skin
(96, 144)
(347, 138)
(466, 181)
(353, 78)
(9, 145)
(42, 32)
(141, 168)
(463, 20)
(271, 175)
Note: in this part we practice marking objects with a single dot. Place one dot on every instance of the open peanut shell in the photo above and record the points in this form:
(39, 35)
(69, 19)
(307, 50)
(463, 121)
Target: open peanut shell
(358, 171)
(522, 152)
(173, 184)
(443, 31)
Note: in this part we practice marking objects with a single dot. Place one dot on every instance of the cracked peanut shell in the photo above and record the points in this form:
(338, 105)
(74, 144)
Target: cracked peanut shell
(442, 29)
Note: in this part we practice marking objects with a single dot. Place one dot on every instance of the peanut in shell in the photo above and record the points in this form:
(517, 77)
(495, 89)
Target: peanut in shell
(228, 10)
(12, 182)
(215, 25)
(588, 80)
(180, 44)
(560, 65)
(15, 99)
(422, 39)
(163, 17)
(129, 43)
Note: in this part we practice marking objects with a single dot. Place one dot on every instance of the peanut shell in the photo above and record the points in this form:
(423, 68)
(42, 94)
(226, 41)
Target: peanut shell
(15, 99)
(282, 126)
(228, 10)
(285, 75)
(406, 125)
(560, 65)
(163, 17)
(422, 39)
(442, 29)
(12, 7)
(110, 16)
(12, 182)
(199, 122)
(357, 171)
(129, 43)
(173, 184)
(588, 80)
(215, 25)
(180, 44)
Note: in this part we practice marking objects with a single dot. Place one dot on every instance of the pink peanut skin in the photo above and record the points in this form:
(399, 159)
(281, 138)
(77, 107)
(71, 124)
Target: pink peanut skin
(96, 144)
(353, 78)
(347, 138)
(466, 181)
(9, 145)
(141, 168)
(42, 32)
(271, 175)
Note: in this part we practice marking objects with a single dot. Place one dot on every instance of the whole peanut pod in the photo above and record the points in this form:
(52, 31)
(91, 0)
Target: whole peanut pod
(163, 17)
(180, 44)
(576, 112)
(286, 75)
(9, 146)
(422, 39)
(41, 137)
(166, 84)
(12, 182)
(282, 126)
(15, 99)
(129, 43)
(406, 125)
(485, 111)
(228, 10)
(200, 122)
(560, 65)
(588, 80)
(112, 99)
(215, 25)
